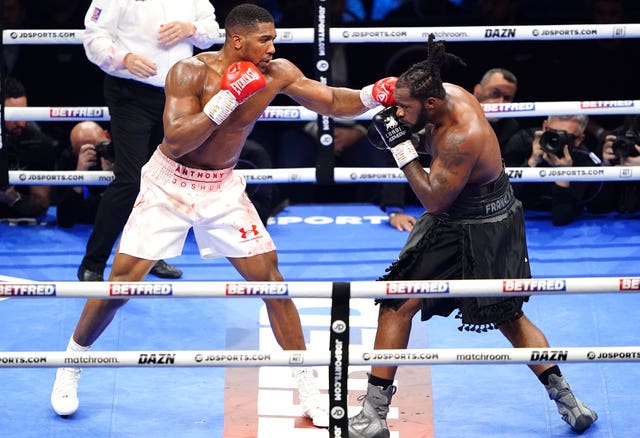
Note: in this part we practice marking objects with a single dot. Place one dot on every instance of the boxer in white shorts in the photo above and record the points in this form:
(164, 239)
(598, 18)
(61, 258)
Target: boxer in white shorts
(213, 100)
(174, 198)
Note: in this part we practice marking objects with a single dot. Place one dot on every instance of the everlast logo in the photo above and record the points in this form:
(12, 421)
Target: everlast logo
(500, 33)
(160, 359)
(550, 355)
(248, 76)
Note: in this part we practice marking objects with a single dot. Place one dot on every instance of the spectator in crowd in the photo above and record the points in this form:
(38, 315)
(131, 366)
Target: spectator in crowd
(497, 85)
(27, 148)
(559, 143)
(90, 148)
(136, 59)
(621, 148)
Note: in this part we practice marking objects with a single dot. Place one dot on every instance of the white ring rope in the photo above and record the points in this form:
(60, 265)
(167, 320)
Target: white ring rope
(341, 175)
(258, 358)
(291, 113)
(323, 289)
(384, 34)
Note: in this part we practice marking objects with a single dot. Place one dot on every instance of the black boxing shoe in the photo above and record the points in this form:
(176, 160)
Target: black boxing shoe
(164, 270)
(86, 274)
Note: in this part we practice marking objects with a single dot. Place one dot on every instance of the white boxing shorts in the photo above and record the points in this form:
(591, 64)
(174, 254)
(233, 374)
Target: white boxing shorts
(174, 198)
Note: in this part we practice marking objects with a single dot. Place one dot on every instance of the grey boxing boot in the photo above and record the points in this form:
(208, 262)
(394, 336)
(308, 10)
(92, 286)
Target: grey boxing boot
(572, 410)
(371, 422)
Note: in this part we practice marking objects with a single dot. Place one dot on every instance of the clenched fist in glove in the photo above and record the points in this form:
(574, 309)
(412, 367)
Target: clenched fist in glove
(239, 82)
(380, 93)
(395, 136)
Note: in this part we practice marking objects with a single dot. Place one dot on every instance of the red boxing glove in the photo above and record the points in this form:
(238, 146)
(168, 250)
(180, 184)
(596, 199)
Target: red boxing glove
(242, 79)
(380, 93)
(239, 82)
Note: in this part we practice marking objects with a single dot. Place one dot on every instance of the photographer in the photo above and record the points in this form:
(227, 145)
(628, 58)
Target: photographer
(558, 144)
(621, 148)
(79, 204)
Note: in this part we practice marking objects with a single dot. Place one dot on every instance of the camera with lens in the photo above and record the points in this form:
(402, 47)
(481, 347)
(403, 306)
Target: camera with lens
(553, 141)
(624, 146)
(105, 149)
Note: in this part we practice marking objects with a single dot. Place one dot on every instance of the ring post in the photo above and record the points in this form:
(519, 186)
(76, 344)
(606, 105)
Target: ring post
(339, 361)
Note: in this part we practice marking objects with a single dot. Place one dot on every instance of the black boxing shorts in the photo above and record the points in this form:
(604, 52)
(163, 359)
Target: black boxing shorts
(482, 236)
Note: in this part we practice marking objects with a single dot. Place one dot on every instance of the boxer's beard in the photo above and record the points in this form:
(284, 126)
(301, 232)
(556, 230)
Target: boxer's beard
(421, 121)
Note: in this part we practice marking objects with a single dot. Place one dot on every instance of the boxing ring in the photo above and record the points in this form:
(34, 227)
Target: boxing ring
(148, 386)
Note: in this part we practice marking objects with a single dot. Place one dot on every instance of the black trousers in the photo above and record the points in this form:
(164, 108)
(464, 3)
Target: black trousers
(136, 131)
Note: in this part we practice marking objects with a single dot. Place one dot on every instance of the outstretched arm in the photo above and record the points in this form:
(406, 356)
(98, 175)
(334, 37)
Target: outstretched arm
(338, 102)
(329, 101)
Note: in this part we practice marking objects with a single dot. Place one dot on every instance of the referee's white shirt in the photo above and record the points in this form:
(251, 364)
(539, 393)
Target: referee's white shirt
(114, 28)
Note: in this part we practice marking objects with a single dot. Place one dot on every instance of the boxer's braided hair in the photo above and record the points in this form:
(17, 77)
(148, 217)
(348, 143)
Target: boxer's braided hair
(423, 78)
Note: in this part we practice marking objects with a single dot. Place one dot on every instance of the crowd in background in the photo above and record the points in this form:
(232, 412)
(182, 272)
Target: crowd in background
(571, 70)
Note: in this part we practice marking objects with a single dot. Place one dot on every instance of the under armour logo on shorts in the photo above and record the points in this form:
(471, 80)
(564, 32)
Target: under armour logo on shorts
(243, 232)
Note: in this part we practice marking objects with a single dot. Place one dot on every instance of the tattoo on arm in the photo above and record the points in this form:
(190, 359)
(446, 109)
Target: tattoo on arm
(452, 155)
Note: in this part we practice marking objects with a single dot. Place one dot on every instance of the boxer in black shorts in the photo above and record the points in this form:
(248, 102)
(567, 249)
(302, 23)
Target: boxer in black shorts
(483, 219)
(473, 229)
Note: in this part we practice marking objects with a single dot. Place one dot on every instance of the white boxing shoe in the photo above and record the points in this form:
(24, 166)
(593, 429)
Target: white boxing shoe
(310, 397)
(64, 396)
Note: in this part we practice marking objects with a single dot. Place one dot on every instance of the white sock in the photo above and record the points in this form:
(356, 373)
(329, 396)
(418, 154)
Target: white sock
(74, 346)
